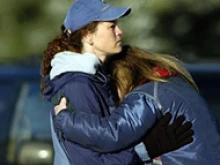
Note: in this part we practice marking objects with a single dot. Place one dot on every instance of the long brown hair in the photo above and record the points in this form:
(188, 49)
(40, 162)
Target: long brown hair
(133, 64)
(66, 41)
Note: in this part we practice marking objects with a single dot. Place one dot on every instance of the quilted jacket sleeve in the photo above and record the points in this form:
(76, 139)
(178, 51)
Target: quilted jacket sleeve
(124, 127)
(83, 97)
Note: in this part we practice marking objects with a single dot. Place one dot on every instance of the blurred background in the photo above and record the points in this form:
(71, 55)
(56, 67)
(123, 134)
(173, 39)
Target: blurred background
(187, 29)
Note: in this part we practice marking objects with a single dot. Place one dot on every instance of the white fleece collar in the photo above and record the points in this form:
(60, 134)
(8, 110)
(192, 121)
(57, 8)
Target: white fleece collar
(73, 62)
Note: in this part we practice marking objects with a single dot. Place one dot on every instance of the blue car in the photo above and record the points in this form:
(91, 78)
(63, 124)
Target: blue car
(24, 115)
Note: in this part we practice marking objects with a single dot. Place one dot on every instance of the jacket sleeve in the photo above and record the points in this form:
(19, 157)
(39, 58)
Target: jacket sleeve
(124, 127)
(83, 97)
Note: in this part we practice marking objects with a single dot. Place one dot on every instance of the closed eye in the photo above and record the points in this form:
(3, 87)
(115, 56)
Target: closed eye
(113, 26)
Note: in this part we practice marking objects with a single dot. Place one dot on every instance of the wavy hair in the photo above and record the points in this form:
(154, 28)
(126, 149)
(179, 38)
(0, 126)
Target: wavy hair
(66, 41)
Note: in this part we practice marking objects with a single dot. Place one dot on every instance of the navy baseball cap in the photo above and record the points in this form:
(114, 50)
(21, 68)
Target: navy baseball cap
(83, 12)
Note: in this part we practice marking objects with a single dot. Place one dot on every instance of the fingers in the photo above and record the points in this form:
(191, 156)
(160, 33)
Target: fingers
(164, 120)
(185, 142)
(63, 101)
(186, 126)
(176, 123)
(185, 135)
(56, 109)
(61, 106)
(179, 120)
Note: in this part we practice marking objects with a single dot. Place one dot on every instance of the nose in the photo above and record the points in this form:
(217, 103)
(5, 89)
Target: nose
(118, 31)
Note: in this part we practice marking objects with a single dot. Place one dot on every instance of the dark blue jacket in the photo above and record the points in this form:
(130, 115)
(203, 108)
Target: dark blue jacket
(90, 94)
(138, 111)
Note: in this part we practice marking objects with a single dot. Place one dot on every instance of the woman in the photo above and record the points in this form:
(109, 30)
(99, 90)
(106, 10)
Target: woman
(90, 33)
(77, 36)
(143, 76)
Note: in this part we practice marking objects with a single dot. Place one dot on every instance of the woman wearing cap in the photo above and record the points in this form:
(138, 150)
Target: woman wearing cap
(71, 67)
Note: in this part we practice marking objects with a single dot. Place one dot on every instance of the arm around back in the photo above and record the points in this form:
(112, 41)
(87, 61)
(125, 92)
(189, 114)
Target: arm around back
(83, 95)
(124, 127)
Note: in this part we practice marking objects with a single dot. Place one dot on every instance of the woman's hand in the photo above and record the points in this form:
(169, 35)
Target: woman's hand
(61, 106)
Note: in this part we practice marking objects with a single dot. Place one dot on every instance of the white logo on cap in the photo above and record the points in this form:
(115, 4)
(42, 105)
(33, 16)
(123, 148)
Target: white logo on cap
(104, 8)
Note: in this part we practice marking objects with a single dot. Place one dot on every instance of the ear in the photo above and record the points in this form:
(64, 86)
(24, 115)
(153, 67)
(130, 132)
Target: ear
(88, 38)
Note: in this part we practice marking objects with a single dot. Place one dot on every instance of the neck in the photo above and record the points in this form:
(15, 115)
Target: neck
(100, 55)
(101, 58)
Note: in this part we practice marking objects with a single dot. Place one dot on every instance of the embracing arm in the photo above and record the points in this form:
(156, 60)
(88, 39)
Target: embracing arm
(82, 95)
(126, 125)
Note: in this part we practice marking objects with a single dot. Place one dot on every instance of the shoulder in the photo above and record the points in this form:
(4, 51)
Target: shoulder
(140, 96)
(77, 78)
(161, 93)
(76, 83)
(174, 85)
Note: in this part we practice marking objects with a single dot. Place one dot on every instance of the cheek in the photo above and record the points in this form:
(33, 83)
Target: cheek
(102, 39)
(110, 39)
(106, 42)
(107, 37)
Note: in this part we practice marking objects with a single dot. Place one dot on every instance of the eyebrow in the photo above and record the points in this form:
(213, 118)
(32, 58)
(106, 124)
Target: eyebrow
(114, 21)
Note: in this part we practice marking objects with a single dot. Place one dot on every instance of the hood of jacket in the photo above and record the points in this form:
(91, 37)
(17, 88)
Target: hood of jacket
(73, 62)
(70, 63)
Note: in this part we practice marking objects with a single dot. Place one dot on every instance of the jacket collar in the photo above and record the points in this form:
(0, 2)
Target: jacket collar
(73, 62)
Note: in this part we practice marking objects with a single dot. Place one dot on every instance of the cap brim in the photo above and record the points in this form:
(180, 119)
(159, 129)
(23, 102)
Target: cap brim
(113, 13)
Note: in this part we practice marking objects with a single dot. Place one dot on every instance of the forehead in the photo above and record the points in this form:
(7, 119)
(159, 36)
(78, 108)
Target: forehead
(105, 23)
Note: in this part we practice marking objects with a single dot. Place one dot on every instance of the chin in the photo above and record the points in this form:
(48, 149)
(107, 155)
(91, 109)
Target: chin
(118, 50)
(115, 50)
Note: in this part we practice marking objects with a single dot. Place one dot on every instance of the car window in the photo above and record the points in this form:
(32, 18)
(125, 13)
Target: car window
(8, 98)
(31, 118)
